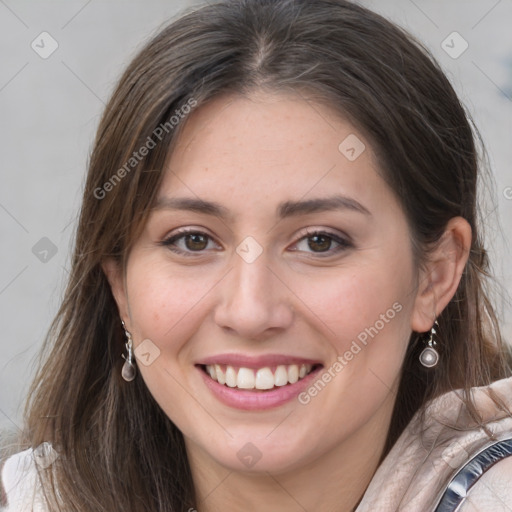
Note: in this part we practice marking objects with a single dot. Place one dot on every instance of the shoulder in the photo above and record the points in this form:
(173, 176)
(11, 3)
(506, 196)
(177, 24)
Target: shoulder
(473, 459)
(493, 491)
(422, 465)
(20, 483)
(485, 482)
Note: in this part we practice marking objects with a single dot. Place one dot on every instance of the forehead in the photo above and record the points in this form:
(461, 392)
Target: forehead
(269, 148)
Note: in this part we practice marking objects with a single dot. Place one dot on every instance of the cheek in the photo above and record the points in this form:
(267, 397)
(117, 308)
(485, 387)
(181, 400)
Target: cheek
(352, 304)
(165, 308)
(163, 301)
(365, 316)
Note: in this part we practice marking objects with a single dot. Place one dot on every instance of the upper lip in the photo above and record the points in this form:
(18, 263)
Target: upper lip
(244, 361)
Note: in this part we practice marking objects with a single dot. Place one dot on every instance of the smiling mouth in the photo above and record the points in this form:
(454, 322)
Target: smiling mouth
(260, 379)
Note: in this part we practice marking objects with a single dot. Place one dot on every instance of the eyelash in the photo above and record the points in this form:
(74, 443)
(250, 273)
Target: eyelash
(344, 244)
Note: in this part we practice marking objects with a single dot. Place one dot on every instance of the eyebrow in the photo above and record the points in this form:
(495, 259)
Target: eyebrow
(284, 209)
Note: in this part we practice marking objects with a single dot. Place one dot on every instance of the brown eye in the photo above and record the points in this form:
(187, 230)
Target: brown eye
(187, 242)
(197, 241)
(320, 242)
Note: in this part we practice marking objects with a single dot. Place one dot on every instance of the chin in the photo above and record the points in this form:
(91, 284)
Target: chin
(259, 455)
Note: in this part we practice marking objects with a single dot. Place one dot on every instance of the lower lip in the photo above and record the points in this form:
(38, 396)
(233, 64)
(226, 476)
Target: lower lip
(257, 400)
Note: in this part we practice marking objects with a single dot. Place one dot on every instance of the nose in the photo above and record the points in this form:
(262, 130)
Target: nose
(256, 302)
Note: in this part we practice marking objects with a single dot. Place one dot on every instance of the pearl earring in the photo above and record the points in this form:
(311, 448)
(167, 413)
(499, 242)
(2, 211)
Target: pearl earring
(429, 357)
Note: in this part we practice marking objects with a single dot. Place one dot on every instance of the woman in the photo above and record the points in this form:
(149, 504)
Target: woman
(277, 298)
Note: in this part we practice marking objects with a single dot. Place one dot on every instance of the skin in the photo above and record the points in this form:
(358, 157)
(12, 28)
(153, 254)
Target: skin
(249, 154)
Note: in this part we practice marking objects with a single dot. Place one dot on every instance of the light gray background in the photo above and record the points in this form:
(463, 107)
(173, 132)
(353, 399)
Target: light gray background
(50, 109)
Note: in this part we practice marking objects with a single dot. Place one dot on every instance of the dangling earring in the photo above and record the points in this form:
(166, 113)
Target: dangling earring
(129, 369)
(429, 357)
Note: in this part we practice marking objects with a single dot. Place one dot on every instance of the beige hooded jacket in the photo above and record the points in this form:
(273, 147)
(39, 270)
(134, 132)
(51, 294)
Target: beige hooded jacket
(439, 466)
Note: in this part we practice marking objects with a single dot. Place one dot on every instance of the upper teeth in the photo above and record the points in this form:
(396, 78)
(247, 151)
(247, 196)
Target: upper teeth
(262, 378)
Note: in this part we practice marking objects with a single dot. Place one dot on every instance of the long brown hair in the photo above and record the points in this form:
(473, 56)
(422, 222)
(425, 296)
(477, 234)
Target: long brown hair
(117, 450)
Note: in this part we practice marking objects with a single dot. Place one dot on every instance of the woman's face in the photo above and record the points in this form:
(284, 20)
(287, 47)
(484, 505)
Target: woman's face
(299, 266)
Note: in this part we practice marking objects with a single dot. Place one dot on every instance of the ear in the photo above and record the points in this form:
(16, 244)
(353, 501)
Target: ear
(440, 277)
(115, 277)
